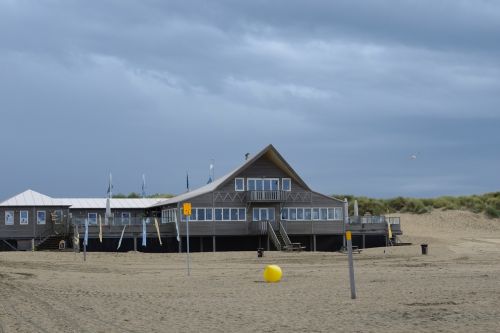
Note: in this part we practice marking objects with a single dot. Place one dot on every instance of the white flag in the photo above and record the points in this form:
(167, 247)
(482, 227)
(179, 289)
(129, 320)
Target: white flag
(121, 237)
(158, 231)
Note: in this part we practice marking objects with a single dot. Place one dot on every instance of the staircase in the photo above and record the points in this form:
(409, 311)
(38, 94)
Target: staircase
(50, 243)
(281, 240)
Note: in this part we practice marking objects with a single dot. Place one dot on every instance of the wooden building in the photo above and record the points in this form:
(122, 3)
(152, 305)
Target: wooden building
(263, 203)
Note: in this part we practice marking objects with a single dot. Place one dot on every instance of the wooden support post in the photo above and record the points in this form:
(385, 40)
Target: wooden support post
(135, 243)
(201, 244)
(213, 244)
(314, 243)
(364, 241)
(268, 245)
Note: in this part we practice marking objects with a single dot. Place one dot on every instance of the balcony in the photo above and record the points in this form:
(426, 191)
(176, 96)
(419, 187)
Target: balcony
(266, 196)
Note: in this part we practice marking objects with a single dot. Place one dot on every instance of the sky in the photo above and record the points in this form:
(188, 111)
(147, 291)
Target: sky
(346, 91)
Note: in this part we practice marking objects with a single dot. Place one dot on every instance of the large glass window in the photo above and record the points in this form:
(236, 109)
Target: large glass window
(9, 217)
(292, 214)
(239, 184)
(23, 217)
(57, 216)
(263, 214)
(168, 215)
(286, 184)
(263, 184)
(284, 214)
(230, 214)
(300, 213)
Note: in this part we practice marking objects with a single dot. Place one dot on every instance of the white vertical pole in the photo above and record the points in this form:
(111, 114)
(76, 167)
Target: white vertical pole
(346, 219)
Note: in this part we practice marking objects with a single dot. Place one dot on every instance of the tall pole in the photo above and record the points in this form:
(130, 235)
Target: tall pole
(187, 245)
(351, 265)
(346, 219)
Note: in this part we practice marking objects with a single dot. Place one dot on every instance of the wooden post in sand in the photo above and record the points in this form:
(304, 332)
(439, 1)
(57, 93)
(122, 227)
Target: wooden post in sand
(348, 237)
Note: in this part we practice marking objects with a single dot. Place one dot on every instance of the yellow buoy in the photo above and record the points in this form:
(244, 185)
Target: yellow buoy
(272, 273)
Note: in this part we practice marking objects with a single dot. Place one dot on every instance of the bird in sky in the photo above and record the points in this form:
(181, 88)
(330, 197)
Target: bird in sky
(414, 156)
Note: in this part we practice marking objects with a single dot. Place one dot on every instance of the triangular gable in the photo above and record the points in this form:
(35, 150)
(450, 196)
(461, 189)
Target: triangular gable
(31, 198)
(275, 157)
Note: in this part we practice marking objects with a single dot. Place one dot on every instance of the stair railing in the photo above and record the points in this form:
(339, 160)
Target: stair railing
(284, 235)
(272, 235)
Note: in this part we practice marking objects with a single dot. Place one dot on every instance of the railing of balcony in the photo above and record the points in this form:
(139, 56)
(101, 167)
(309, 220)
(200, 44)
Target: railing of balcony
(266, 195)
(117, 221)
(374, 219)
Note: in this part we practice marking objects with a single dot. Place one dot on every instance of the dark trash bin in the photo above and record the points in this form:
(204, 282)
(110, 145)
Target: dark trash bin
(260, 252)
(424, 248)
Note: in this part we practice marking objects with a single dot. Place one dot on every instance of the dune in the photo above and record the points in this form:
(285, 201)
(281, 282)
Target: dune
(455, 288)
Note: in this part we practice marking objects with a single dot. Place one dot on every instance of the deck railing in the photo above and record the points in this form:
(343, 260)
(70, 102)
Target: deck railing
(374, 219)
(117, 221)
(266, 196)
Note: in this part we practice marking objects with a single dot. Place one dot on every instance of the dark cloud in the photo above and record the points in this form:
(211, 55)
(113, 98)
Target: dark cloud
(347, 91)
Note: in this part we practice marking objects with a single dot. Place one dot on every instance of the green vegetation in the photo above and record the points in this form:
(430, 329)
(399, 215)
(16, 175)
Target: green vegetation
(488, 203)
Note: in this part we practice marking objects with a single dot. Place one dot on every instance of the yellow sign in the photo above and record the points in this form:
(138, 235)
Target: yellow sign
(348, 235)
(186, 209)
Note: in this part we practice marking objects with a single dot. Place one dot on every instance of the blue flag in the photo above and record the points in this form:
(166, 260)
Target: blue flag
(143, 186)
(187, 181)
(144, 232)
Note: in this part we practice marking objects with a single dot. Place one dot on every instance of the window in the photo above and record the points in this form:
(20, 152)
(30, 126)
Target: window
(200, 214)
(239, 184)
(263, 214)
(300, 213)
(230, 214)
(9, 217)
(57, 216)
(286, 184)
(323, 213)
(263, 184)
(307, 214)
(40, 217)
(23, 217)
(125, 218)
(292, 214)
(92, 218)
(168, 215)
(315, 213)
(284, 214)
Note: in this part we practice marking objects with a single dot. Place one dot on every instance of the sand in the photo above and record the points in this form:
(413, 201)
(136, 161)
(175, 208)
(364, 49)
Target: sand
(455, 288)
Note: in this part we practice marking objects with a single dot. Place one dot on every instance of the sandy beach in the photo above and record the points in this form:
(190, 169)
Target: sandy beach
(455, 288)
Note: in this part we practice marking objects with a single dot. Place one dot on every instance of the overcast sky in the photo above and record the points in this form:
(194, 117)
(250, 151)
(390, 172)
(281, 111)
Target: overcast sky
(347, 91)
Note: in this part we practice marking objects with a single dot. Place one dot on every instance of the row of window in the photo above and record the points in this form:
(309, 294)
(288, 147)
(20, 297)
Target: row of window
(314, 214)
(125, 218)
(168, 215)
(262, 184)
(41, 217)
(217, 214)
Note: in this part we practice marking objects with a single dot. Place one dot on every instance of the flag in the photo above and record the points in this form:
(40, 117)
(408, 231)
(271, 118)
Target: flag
(108, 201)
(177, 229)
(77, 237)
(121, 237)
(158, 231)
(187, 181)
(389, 230)
(143, 193)
(144, 232)
(100, 228)
(86, 236)
(210, 173)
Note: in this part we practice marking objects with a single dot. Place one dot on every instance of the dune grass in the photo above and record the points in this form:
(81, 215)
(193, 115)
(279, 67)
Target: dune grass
(488, 203)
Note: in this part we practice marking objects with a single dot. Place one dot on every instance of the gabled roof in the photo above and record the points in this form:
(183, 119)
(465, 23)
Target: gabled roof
(31, 198)
(270, 152)
(100, 203)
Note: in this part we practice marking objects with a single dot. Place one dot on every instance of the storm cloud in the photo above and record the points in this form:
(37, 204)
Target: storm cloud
(345, 90)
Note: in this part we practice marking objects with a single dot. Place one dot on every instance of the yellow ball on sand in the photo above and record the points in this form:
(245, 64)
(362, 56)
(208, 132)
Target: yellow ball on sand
(272, 273)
